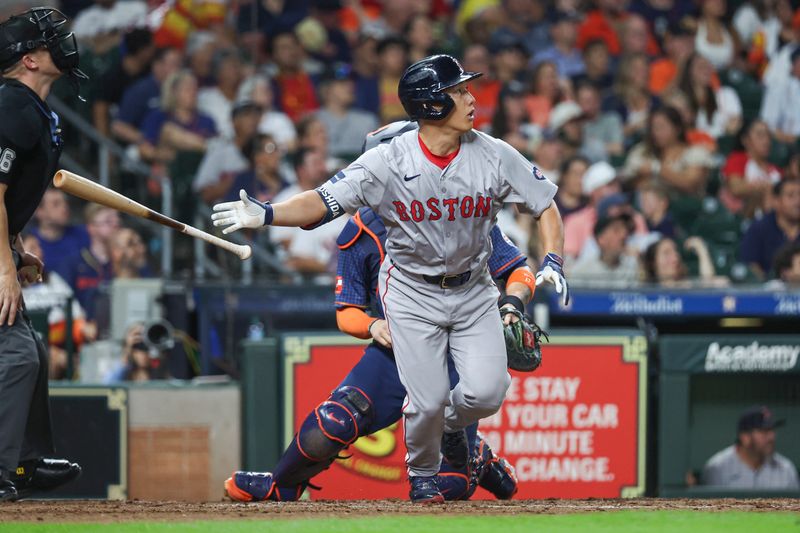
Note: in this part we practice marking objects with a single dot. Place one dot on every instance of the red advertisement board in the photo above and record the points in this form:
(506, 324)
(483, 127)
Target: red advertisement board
(573, 429)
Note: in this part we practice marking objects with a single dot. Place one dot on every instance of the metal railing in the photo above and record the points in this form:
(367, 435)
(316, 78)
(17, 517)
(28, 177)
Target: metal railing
(106, 150)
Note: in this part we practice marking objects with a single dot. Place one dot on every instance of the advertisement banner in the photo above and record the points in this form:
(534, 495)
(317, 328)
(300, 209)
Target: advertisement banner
(575, 428)
(730, 354)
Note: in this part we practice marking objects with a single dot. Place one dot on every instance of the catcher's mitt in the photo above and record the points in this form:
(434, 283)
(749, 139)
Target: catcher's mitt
(522, 342)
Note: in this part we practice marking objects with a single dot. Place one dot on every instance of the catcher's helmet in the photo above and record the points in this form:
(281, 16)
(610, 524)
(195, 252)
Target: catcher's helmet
(422, 86)
(39, 27)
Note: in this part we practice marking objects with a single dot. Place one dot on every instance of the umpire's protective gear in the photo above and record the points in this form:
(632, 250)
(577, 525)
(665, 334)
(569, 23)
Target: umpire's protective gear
(40, 27)
(422, 86)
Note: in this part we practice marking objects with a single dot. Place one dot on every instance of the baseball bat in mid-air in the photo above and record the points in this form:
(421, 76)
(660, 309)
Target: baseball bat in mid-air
(94, 192)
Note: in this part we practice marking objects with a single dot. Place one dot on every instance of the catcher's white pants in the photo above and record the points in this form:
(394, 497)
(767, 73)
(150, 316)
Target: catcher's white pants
(425, 320)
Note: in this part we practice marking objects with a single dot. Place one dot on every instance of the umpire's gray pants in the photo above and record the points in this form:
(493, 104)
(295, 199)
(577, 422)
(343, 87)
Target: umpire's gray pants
(25, 431)
(424, 320)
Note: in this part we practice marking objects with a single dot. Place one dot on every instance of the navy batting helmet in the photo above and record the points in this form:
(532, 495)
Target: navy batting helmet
(422, 86)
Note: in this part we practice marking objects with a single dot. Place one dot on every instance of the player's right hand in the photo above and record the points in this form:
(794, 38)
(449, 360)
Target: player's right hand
(10, 298)
(380, 332)
(244, 213)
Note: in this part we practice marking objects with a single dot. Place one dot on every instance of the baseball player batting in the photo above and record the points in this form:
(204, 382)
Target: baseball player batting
(438, 191)
(374, 381)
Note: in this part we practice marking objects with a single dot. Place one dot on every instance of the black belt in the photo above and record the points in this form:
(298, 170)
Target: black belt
(447, 281)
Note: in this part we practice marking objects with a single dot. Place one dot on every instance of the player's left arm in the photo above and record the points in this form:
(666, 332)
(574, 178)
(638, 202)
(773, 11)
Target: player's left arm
(551, 234)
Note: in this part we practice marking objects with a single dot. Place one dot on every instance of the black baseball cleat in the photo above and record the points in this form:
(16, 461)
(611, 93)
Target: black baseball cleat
(455, 448)
(44, 474)
(424, 489)
(8, 492)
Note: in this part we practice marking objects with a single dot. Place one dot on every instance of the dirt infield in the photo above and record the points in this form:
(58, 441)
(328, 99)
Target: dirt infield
(105, 511)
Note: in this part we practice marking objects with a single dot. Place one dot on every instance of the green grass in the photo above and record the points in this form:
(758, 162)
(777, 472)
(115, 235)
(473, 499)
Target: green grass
(595, 522)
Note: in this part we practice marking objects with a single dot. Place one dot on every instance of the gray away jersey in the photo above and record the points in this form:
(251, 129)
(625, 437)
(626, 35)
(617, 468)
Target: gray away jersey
(438, 221)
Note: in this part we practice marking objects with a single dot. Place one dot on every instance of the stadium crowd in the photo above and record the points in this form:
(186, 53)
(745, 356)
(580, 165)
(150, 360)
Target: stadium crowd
(670, 126)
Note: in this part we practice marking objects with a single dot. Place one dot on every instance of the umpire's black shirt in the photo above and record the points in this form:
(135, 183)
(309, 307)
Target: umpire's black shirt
(30, 145)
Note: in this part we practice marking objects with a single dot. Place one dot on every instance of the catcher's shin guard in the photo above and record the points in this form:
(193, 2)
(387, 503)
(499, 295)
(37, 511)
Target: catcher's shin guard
(495, 474)
(332, 426)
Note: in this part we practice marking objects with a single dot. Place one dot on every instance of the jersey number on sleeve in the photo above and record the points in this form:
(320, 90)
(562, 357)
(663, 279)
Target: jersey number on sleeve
(6, 158)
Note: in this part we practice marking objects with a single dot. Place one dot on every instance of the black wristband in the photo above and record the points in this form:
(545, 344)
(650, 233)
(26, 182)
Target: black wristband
(513, 300)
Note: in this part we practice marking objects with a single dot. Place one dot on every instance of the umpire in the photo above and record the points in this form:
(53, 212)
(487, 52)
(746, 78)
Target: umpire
(34, 53)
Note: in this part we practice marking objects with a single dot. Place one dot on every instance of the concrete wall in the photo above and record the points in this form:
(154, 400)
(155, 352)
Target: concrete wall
(183, 441)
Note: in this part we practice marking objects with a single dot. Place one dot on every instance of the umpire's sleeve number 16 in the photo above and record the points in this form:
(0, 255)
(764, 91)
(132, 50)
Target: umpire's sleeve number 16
(6, 158)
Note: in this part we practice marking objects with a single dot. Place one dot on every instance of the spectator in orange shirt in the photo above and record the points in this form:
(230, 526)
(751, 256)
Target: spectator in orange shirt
(294, 90)
(546, 92)
(678, 46)
(485, 89)
(605, 23)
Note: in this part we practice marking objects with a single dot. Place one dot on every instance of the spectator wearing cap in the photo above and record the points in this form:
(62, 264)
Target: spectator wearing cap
(294, 91)
(614, 263)
(748, 174)
(258, 89)
(787, 267)
(678, 46)
(137, 52)
(144, 96)
(263, 178)
(345, 125)
(717, 109)
(779, 107)
(598, 68)
(752, 463)
(225, 156)
(599, 181)
(666, 156)
(485, 89)
(567, 122)
(546, 92)
(602, 128)
(631, 98)
(603, 192)
(713, 40)
(509, 57)
(570, 197)
(392, 62)
(217, 101)
(526, 20)
(661, 15)
(768, 234)
(510, 120)
(563, 53)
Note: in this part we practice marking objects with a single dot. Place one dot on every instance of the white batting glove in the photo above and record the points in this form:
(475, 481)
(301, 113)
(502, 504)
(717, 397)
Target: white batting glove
(552, 272)
(245, 213)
